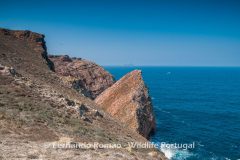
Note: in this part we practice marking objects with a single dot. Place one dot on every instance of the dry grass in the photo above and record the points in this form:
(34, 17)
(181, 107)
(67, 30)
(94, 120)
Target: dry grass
(28, 113)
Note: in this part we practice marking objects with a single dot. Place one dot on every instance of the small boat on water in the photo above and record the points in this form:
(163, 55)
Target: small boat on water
(168, 72)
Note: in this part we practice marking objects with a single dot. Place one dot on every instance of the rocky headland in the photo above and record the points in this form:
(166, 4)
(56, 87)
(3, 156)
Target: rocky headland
(35, 41)
(40, 106)
(128, 100)
(94, 77)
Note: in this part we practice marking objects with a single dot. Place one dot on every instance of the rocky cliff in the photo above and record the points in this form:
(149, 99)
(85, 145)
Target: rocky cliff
(94, 77)
(128, 100)
(34, 40)
(39, 107)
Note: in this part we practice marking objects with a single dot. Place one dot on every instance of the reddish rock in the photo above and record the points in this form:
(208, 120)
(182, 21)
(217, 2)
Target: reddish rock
(65, 58)
(128, 101)
(95, 78)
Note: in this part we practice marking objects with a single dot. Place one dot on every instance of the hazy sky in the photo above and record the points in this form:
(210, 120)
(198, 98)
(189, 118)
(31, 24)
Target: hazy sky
(161, 32)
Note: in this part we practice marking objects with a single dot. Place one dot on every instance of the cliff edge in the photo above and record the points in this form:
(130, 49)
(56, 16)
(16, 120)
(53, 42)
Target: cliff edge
(94, 77)
(34, 40)
(128, 101)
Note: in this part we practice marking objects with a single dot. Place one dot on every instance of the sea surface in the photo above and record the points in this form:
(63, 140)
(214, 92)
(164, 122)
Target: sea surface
(199, 105)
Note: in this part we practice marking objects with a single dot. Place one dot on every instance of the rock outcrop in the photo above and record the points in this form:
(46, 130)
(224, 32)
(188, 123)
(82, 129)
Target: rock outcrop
(34, 40)
(128, 100)
(76, 84)
(94, 77)
(9, 71)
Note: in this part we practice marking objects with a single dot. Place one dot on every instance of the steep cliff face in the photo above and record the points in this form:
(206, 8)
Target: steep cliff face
(38, 107)
(128, 100)
(95, 78)
(34, 40)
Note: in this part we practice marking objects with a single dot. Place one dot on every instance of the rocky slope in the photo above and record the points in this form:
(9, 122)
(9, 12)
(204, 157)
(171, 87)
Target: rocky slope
(128, 101)
(34, 40)
(94, 77)
(39, 106)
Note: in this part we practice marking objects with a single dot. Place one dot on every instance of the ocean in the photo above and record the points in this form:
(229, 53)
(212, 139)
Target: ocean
(199, 105)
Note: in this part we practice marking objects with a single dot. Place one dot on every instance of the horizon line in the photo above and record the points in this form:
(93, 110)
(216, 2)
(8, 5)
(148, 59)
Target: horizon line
(162, 66)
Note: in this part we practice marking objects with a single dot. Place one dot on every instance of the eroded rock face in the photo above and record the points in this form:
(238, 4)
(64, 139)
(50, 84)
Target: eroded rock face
(95, 78)
(128, 100)
(34, 40)
(76, 84)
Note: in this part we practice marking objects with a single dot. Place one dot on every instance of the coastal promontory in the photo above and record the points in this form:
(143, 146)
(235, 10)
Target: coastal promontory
(128, 101)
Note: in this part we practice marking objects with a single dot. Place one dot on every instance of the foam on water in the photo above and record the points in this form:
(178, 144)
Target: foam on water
(174, 153)
(169, 153)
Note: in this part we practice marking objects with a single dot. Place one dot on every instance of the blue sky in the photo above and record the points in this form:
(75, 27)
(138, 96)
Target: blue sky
(161, 32)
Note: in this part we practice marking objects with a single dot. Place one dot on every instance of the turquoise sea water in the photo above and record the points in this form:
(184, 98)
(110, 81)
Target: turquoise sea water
(194, 104)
